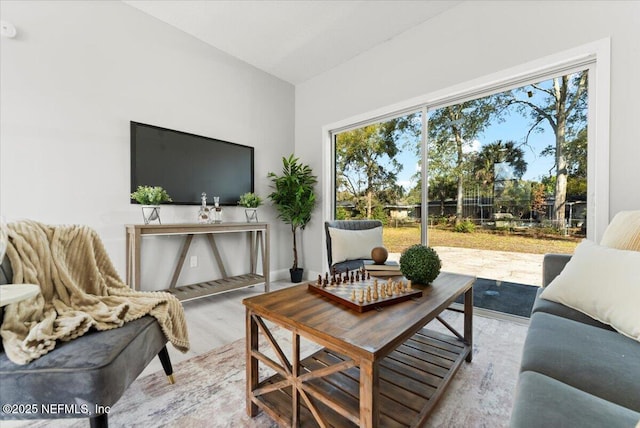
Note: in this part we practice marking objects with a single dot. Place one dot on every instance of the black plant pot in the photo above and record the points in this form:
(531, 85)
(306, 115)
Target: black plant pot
(296, 274)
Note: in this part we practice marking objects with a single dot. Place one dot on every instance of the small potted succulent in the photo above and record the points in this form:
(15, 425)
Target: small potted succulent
(150, 197)
(250, 201)
(420, 264)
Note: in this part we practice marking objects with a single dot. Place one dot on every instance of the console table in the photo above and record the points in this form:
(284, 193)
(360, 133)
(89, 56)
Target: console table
(258, 237)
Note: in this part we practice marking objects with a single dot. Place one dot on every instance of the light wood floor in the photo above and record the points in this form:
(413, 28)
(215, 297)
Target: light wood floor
(214, 321)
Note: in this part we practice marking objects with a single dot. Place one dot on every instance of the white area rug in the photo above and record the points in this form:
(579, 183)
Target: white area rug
(210, 388)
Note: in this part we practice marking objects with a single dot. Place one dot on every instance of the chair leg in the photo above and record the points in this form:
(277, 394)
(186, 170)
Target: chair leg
(99, 421)
(166, 364)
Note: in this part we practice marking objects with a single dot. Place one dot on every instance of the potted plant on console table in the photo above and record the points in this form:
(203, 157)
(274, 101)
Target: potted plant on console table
(150, 197)
(250, 201)
(294, 198)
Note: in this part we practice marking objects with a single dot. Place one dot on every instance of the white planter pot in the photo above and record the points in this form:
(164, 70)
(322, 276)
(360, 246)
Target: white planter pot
(251, 214)
(151, 213)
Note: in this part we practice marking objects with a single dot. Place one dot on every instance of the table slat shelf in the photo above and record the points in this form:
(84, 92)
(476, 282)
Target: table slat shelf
(193, 291)
(412, 379)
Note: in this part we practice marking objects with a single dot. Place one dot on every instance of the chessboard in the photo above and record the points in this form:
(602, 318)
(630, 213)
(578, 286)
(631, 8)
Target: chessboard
(358, 291)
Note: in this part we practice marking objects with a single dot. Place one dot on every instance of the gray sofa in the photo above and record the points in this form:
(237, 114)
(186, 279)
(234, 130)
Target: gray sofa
(575, 371)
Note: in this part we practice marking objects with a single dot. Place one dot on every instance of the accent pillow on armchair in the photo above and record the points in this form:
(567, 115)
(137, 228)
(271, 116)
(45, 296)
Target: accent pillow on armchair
(349, 242)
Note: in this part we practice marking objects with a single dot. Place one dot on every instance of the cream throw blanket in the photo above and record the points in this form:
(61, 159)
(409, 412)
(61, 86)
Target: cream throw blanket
(80, 289)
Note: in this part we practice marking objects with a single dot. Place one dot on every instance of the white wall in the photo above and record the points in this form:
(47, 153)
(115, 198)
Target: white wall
(476, 39)
(71, 81)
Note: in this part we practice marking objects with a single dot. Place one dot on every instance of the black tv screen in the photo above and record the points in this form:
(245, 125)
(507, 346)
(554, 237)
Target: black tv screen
(186, 165)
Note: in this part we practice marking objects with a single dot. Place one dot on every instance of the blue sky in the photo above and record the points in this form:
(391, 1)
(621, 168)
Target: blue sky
(514, 128)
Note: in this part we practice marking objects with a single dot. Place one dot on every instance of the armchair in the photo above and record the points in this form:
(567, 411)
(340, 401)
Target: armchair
(359, 246)
(84, 377)
(83, 374)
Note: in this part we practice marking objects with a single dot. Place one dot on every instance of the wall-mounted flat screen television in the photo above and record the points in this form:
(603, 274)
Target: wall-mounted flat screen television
(186, 165)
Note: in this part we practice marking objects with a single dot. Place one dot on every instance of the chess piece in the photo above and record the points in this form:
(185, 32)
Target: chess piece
(409, 285)
(319, 279)
(353, 294)
(375, 293)
(358, 276)
(368, 275)
(368, 293)
(361, 300)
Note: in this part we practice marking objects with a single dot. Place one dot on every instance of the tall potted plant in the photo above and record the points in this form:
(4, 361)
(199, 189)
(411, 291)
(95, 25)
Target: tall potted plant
(294, 198)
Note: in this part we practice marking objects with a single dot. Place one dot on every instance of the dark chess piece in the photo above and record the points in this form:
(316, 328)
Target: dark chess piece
(319, 279)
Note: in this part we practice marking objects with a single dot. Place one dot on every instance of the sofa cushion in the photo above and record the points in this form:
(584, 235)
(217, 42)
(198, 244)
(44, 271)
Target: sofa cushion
(623, 232)
(353, 244)
(95, 369)
(603, 283)
(602, 362)
(553, 308)
(545, 402)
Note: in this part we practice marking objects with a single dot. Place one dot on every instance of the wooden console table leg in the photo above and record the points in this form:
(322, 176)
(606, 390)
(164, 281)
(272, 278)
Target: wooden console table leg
(134, 260)
(183, 256)
(369, 394)
(468, 322)
(264, 244)
(253, 250)
(216, 254)
(127, 256)
(252, 363)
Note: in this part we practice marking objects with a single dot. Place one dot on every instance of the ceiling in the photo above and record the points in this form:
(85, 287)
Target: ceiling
(293, 40)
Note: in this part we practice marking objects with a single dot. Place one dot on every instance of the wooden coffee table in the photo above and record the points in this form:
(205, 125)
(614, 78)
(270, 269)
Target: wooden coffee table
(376, 368)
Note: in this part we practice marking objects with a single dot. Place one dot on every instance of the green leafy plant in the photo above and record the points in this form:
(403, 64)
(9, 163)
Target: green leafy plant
(465, 226)
(294, 196)
(150, 195)
(250, 200)
(420, 264)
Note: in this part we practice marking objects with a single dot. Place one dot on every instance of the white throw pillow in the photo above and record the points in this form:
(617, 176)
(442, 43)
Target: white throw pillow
(603, 283)
(354, 244)
(623, 232)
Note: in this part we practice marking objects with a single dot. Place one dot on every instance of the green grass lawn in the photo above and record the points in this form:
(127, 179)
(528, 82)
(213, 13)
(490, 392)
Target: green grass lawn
(397, 239)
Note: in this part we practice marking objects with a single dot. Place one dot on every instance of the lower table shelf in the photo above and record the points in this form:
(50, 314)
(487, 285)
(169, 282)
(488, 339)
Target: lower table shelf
(412, 379)
(203, 289)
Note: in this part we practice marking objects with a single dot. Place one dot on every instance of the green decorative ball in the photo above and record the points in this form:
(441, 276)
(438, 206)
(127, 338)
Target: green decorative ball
(420, 264)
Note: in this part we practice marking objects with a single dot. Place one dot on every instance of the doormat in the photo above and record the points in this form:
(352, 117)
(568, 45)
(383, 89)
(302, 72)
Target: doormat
(501, 296)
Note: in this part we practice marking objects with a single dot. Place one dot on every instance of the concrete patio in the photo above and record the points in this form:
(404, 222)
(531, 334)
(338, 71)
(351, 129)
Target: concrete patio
(522, 268)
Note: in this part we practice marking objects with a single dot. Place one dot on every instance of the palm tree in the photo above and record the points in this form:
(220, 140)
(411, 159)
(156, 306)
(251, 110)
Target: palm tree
(484, 164)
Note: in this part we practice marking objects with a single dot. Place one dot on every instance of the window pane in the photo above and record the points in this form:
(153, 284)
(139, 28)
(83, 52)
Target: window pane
(378, 177)
(514, 162)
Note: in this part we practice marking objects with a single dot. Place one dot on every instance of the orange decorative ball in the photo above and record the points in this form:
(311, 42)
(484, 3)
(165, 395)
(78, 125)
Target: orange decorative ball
(379, 255)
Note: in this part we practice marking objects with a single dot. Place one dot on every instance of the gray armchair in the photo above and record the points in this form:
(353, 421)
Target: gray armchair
(347, 265)
(81, 378)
